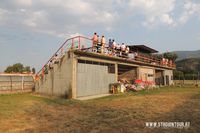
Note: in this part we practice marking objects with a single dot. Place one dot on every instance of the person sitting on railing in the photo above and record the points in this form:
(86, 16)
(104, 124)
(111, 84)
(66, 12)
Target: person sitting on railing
(45, 69)
(103, 44)
(55, 59)
(51, 64)
(62, 53)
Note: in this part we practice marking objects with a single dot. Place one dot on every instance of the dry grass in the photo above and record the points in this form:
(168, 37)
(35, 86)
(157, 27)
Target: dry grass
(117, 113)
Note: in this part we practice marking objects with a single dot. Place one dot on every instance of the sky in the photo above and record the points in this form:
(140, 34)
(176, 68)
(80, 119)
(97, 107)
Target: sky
(32, 30)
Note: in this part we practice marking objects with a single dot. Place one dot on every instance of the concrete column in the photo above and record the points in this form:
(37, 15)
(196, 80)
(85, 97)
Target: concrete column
(74, 73)
(164, 75)
(138, 73)
(52, 80)
(22, 83)
(116, 72)
(154, 75)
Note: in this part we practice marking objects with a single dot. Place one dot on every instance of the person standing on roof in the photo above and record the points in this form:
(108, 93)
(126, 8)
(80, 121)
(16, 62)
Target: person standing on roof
(110, 44)
(94, 40)
(98, 43)
(118, 49)
(103, 44)
(123, 47)
(114, 44)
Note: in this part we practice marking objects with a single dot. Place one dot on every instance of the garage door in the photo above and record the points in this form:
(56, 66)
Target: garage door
(93, 79)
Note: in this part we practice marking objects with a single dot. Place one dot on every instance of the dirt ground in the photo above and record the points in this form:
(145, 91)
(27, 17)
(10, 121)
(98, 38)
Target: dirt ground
(119, 113)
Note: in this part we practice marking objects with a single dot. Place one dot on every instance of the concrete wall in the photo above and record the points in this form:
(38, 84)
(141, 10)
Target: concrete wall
(93, 79)
(72, 79)
(146, 74)
(9, 83)
(169, 74)
(58, 81)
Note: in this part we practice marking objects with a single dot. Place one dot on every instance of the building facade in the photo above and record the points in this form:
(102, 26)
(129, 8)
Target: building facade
(81, 72)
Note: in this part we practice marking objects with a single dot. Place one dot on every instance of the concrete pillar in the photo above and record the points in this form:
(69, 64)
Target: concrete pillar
(116, 72)
(138, 72)
(154, 75)
(22, 83)
(164, 78)
(74, 73)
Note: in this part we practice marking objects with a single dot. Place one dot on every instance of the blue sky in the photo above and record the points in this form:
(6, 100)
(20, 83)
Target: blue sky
(31, 30)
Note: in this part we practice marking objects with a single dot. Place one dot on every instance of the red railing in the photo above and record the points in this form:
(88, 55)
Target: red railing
(154, 60)
(84, 43)
(78, 42)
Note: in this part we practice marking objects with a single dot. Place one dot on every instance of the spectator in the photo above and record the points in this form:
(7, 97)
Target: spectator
(51, 64)
(118, 48)
(127, 50)
(55, 59)
(170, 63)
(62, 52)
(94, 40)
(123, 50)
(114, 44)
(110, 44)
(123, 47)
(98, 43)
(103, 44)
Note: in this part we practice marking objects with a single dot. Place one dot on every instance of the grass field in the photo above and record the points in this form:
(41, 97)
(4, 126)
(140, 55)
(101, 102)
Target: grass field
(117, 113)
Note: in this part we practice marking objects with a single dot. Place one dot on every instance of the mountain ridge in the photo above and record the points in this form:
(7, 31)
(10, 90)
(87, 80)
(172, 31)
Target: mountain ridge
(187, 54)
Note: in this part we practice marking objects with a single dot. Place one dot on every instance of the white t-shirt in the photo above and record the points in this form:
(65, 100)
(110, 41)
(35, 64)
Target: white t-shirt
(114, 44)
(118, 46)
(123, 47)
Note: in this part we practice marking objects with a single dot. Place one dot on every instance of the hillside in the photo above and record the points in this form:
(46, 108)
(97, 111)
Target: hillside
(187, 54)
(188, 65)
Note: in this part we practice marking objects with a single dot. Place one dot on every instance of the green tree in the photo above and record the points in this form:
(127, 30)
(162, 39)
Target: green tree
(17, 68)
(27, 69)
(170, 56)
(178, 75)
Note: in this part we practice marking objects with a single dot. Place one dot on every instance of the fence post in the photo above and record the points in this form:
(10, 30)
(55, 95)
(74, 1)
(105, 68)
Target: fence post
(10, 83)
(22, 83)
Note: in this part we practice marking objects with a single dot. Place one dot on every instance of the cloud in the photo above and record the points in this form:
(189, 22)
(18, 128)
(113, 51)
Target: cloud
(3, 13)
(24, 2)
(154, 11)
(61, 17)
(190, 9)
